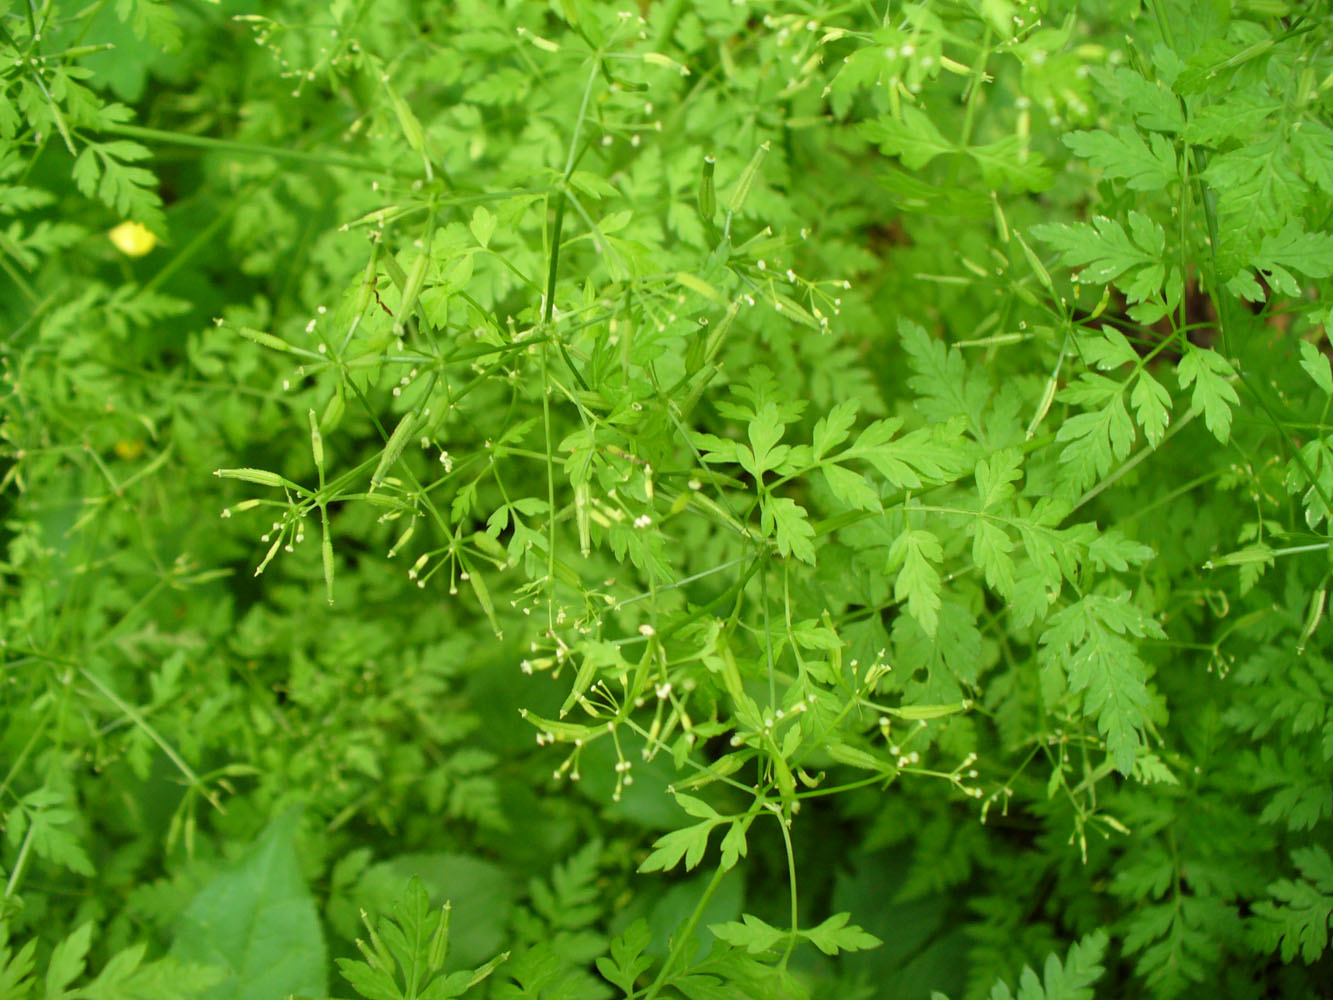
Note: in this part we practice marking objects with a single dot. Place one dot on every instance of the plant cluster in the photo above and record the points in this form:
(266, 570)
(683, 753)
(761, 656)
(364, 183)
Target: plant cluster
(742, 498)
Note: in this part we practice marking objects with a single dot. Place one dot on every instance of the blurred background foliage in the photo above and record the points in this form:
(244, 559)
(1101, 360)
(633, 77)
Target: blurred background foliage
(377, 188)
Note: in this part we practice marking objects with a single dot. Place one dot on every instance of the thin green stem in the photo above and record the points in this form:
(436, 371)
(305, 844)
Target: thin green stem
(204, 237)
(138, 719)
(254, 149)
(20, 862)
(1133, 462)
(38, 729)
(1179, 491)
(977, 77)
(782, 818)
(14, 275)
(684, 935)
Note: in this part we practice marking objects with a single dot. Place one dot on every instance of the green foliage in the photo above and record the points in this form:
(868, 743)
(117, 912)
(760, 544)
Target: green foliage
(680, 467)
(1070, 981)
(257, 921)
(125, 976)
(413, 947)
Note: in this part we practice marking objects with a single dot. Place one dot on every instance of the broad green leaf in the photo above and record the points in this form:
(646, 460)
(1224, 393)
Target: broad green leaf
(413, 946)
(1214, 64)
(257, 921)
(1001, 15)
(1009, 162)
(592, 184)
(719, 449)
(87, 171)
(1091, 390)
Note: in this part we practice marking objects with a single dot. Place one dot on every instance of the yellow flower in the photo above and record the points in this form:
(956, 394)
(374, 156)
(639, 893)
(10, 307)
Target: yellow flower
(129, 450)
(133, 239)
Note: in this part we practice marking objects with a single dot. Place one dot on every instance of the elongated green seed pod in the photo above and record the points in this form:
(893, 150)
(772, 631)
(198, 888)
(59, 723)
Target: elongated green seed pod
(326, 554)
(407, 121)
(367, 288)
(483, 595)
(266, 339)
(746, 181)
(316, 443)
(707, 197)
(416, 280)
(394, 448)
(260, 477)
(1001, 223)
(582, 517)
(1043, 275)
(564, 732)
(1315, 616)
(333, 412)
(856, 757)
(696, 284)
(916, 712)
(439, 945)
